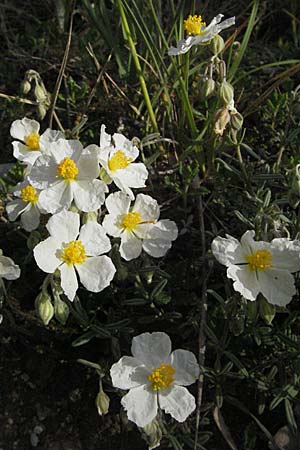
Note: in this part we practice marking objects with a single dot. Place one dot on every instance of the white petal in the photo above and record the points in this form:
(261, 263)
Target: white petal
(248, 243)
(8, 269)
(94, 239)
(56, 197)
(64, 226)
(48, 137)
(227, 250)
(133, 176)
(69, 281)
(64, 148)
(45, 254)
(245, 281)
(157, 248)
(183, 46)
(128, 373)
(96, 273)
(186, 366)
(20, 129)
(178, 402)
(30, 219)
(112, 225)
(152, 349)
(285, 254)
(89, 195)
(22, 153)
(43, 173)
(147, 207)
(277, 286)
(125, 145)
(164, 229)
(118, 203)
(88, 167)
(122, 186)
(14, 209)
(141, 405)
(131, 246)
(105, 138)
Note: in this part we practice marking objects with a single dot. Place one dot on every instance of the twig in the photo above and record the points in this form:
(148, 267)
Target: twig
(62, 68)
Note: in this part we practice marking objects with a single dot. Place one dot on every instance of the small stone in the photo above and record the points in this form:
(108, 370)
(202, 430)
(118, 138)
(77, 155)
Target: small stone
(34, 439)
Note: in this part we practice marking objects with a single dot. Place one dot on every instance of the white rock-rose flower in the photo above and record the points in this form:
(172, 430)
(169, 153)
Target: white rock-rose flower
(199, 33)
(68, 173)
(27, 205)
(156, 379)
(8, 269)
(260, 267)
(117, 155)
(72, 251)
(138, 226)
(31, 144)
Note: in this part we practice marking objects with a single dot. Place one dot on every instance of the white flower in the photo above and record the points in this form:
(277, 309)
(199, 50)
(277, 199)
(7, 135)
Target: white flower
(27, 205)
(116, 156)
(155, 377)
(66, 251)
(68, 173)
(199, 33)
(260, 267)
(33, 144)
(138, 227)
(8, 269)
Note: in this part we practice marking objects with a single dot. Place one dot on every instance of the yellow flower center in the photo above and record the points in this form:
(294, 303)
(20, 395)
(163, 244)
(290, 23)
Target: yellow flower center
(193, 25)
(131, 220)
(162, 377)
(29, 194)
(118, 161)
(67, 169)
(259, 260)
(33, 141)
(73, 253)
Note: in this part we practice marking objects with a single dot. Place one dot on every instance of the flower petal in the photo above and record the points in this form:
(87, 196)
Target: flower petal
(64, 226)
(245, 281)
(157, 248)
(8, 269)
(147, 207)
(118, 203)
(56, 197)
(20, 129)
(22, 153)
(164, 229)
(45, 254)
(183, 46)
(141, 405)
(30, 219)
(277, 286)
(64, 148)
(186, 366)
(285, 254)
(43, 172)
(227, 250)
(105, 138)
(94, 239)
(128, 373)
(152, 349)
(48, 137)
(131, 246)
(89, 195)
(112, 225)
(69, 281)
(96, 273)
(178, 402)
(133, 176)
(88, 167)
(15, 208)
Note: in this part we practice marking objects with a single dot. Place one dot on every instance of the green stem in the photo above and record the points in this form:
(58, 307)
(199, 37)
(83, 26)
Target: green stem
(137, 65)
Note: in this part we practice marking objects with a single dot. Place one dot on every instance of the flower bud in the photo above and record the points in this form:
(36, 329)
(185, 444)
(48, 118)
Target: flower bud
(39, 93)
(222, 118)
(152, 433)
(41, 111)
(104, 176)
(226, 93)
(294, 192)
(266, 310)
(236, 121)
(44, 308)
(25, 87)
(61, 310)
(217, 44)
(102, 402)
(207, 88)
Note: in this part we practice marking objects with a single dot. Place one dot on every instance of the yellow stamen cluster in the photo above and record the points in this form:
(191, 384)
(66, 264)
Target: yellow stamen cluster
(260, 260)
(118, 161)
(162, 377)
(73, 253)
(67, 169)
(193, 25)
(131, 220)
(29, 194)
(32, 141)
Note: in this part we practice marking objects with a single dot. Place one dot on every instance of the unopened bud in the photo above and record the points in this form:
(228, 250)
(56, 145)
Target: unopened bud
(25, 87)
(266, 310)
(236, 121)
(208, 88)
(102, 402)
(40, 93)
(222, 119)
(90, 217)
(217, 44)
(44, 307)
(41, 111)
(61, 310)
(294, 192)
(152, 433)
(104, 176)
(226, 93)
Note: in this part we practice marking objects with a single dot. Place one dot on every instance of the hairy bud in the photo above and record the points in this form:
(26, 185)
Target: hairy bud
(44, 307)
(217, 44)
(102, 402)
(222, 118)
(226, 93)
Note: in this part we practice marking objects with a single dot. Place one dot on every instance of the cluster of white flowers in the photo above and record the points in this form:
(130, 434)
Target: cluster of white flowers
(61, 175)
